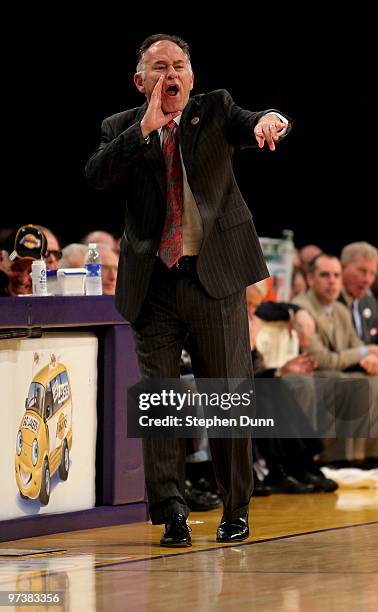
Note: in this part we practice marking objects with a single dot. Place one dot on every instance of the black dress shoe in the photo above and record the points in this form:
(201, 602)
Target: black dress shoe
(289, 484)
(282, 482)
(261, 489)
(200, 501)
(320, 482)
(176, 532)
(233, 531)
(206, 484)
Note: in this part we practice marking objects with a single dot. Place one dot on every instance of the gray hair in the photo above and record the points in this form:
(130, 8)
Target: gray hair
(151, 40)
(350, 251)
(70, 251)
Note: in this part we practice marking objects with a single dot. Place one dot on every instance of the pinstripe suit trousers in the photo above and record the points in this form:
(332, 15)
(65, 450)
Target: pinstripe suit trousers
(177, 305)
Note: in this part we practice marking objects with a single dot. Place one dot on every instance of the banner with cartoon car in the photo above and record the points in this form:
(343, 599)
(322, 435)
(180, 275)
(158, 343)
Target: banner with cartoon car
(49, 427)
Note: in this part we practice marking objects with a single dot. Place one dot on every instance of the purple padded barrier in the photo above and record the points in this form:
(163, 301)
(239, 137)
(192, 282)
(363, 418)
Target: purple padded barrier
(44, 524)
(59, 311)
(125, 484)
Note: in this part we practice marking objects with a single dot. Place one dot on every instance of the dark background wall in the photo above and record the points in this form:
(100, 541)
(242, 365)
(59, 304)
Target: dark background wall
(72, 73)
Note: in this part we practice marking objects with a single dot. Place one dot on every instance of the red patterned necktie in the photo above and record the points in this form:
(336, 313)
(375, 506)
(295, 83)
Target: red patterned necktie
(170, 249)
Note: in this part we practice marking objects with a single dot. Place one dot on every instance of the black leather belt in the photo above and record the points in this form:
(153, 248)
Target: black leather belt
(187, 263)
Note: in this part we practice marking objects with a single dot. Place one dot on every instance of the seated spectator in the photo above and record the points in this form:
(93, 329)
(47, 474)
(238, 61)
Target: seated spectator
(298, 282)
(73, 256)
(16, 278)
(23, 245)
(53, 253)
(101, 237)
(117, 244)
(297, 318)
(359, 262)
(109, 269)
(307, 254)
(285, 327)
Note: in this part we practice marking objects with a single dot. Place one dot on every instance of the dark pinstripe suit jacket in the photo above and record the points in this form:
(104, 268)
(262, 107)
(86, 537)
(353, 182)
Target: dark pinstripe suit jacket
(230, 257)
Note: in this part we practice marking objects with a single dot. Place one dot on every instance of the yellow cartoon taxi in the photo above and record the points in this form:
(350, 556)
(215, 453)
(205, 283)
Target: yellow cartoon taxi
(44, 439)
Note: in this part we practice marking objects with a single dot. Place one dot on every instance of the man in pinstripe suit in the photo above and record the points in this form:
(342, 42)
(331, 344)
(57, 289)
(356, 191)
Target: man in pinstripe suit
(203, 294)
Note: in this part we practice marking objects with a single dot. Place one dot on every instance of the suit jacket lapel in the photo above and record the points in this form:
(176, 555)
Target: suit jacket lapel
(325, 321)
(154, 158)
(328, 326)
(339, 334)
(189, 128)
(190, 125)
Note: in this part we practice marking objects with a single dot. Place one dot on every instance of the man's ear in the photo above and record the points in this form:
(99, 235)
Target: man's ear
(139, 82)
(191, 87)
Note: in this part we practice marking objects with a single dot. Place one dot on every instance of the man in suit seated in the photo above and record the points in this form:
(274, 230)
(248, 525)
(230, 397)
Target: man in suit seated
(360, 262)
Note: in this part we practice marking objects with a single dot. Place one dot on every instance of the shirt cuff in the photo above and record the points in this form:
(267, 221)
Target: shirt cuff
(363, 351)
(284, 120)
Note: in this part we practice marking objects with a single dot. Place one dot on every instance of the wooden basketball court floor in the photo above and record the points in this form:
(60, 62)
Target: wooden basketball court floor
(306, 553)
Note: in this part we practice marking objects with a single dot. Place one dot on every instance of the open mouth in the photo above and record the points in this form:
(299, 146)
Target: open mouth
(25, 477)
(172, 91)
